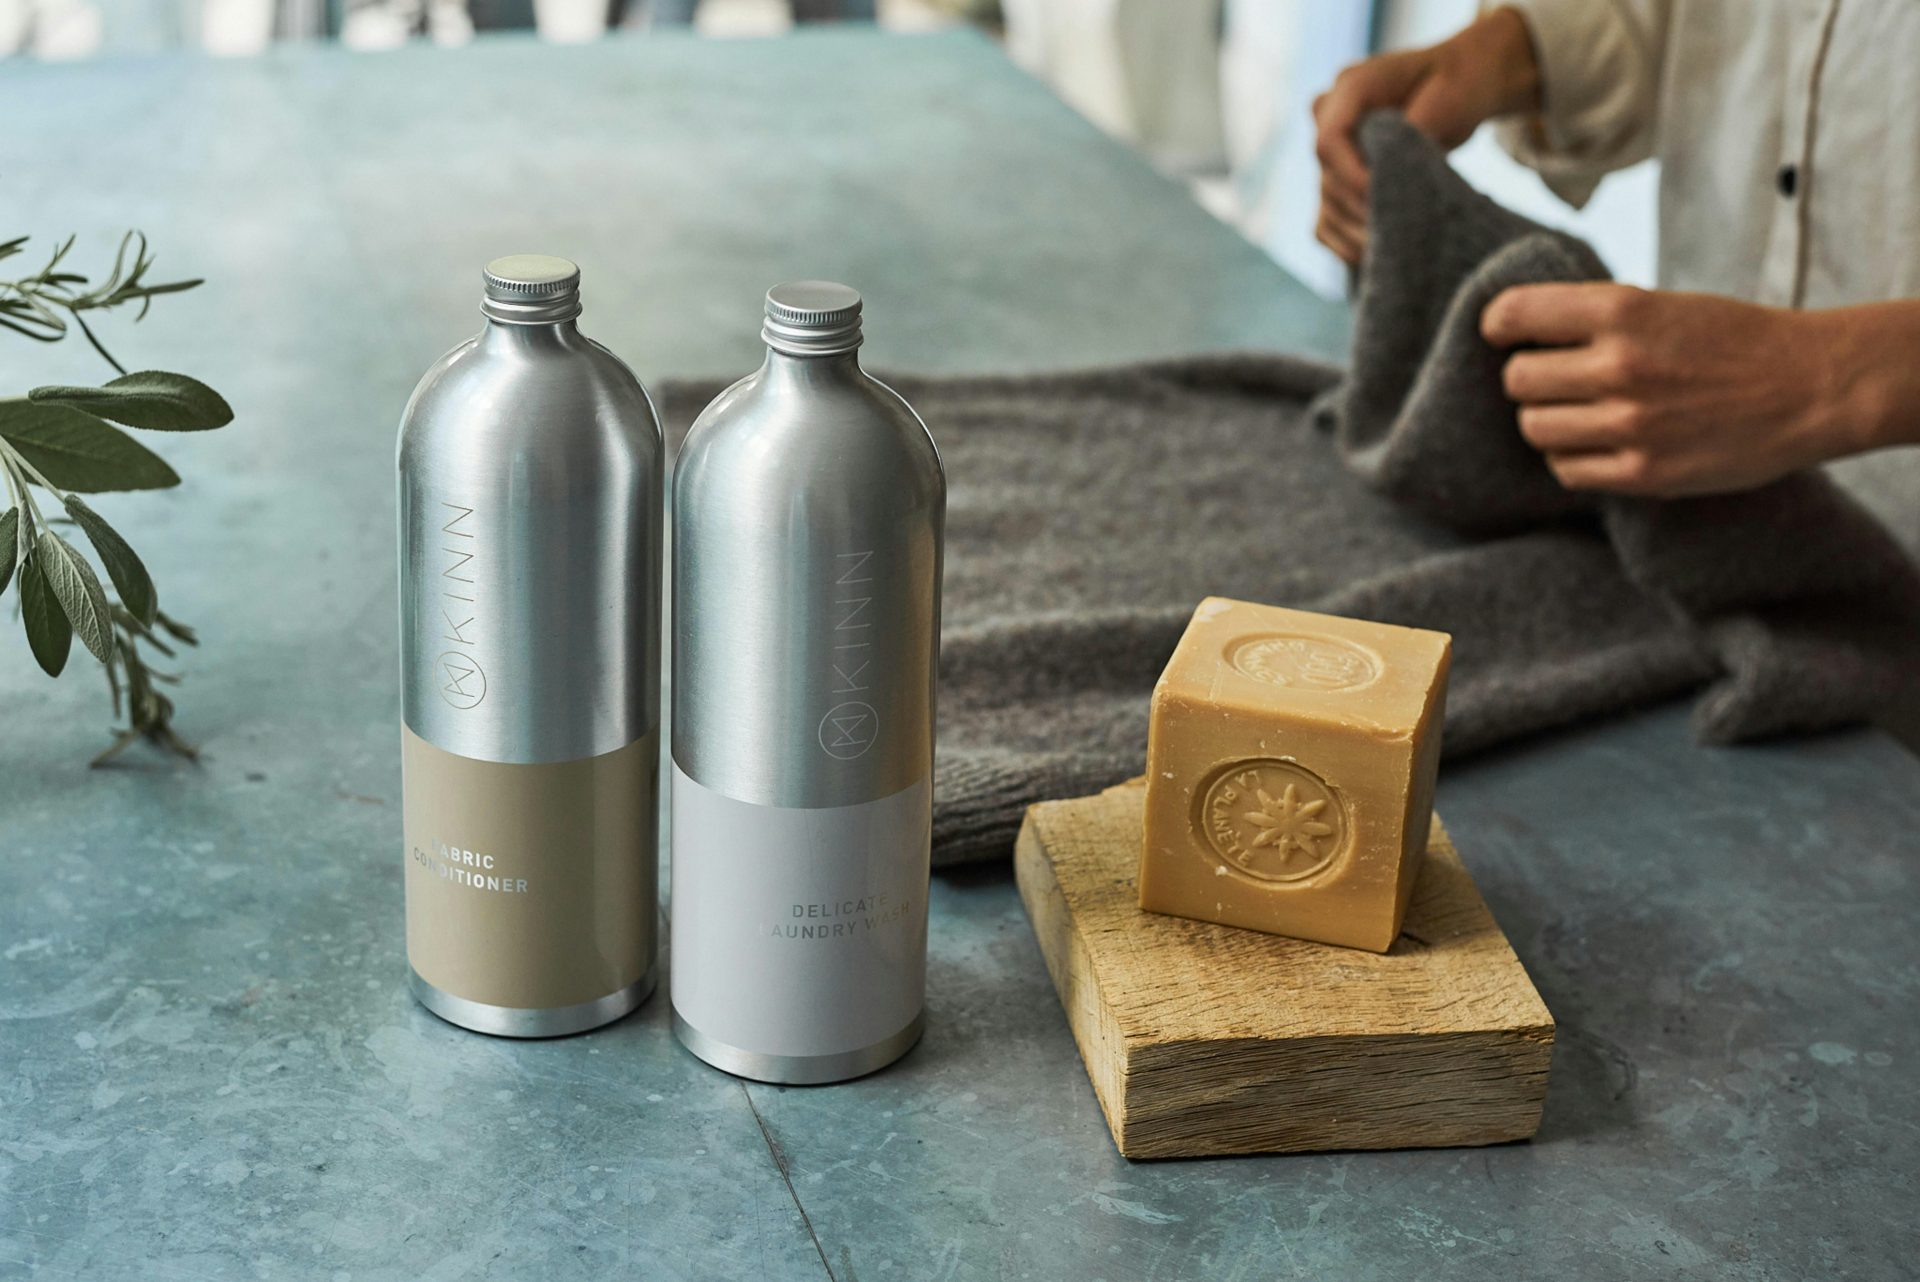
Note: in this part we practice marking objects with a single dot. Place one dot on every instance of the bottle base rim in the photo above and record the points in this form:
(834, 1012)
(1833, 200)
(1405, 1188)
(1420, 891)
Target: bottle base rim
(799, 1070)
(527, 1022)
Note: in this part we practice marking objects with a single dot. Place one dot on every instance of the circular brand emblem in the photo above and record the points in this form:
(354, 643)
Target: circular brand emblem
(849, 729)
(461, 681)
(1273, 820)
(1305, 663)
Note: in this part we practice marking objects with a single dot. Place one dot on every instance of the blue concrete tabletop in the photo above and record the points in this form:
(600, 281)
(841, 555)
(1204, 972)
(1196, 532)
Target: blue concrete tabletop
(209, 1064)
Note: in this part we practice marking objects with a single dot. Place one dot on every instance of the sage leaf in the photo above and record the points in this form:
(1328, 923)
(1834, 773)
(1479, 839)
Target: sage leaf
(78, 591)
(124, 567)
(150, 398)
(77, 451)
(48, 632)
(9, 545)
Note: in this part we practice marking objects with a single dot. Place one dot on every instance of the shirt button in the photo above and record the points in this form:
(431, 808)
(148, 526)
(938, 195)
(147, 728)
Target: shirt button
(1788, 180)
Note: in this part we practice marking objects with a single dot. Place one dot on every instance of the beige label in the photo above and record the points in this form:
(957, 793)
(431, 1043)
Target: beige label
(530, 886)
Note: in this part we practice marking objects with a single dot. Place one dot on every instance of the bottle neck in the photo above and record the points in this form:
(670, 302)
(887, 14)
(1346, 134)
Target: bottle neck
(519, 336)
(806, 371)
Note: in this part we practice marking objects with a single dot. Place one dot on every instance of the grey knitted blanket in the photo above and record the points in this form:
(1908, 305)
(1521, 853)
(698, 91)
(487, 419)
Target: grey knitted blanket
(1088, 512)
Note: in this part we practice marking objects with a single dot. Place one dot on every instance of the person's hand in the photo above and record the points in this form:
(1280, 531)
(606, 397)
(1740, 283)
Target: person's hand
(1663, 394)
(1445, 91)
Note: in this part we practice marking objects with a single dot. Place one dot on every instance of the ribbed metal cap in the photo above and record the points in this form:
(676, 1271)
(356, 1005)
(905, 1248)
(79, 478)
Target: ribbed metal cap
(812, 318)
(531, 289)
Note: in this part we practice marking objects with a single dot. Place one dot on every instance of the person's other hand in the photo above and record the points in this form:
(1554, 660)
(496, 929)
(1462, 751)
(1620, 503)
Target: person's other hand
(1445, 91)
(1663, 394)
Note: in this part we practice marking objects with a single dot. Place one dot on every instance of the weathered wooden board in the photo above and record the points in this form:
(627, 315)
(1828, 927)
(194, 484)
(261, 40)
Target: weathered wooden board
(1204, 1039)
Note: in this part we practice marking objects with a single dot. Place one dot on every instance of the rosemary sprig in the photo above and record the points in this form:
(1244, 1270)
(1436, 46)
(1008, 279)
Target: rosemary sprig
(32, 305)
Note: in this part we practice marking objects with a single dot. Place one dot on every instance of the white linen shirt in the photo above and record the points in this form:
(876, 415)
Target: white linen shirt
(1788, 135)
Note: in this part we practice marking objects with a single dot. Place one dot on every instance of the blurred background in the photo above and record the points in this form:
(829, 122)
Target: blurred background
(1216, 93)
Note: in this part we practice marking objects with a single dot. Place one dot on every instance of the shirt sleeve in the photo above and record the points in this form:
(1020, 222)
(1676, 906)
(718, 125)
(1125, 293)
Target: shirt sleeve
(1600, 63)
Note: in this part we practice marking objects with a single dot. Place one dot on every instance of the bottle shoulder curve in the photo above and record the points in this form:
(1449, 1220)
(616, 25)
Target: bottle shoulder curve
(577, 391)
(916, 428)
(752, 427)
(621, 379)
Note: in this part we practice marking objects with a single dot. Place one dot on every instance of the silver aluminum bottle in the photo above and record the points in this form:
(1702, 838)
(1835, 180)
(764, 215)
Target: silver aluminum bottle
(531, 465)
(808, 510)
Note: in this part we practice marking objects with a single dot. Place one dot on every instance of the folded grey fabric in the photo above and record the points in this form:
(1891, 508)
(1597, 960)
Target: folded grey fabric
(1089, 512)
(1809, 607)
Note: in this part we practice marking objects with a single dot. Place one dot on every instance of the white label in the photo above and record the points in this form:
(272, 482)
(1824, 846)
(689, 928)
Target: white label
(799, 931)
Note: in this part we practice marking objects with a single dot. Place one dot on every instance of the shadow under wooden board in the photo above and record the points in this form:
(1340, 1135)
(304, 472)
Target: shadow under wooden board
(1206, 1040)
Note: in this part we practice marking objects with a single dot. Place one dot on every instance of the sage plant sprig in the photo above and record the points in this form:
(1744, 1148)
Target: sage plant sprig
(60, 442)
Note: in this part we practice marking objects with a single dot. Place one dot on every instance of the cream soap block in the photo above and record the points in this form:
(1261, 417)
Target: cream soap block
(1290, 771)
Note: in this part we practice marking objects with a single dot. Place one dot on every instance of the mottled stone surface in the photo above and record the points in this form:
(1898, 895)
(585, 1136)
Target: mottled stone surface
(209, 1067)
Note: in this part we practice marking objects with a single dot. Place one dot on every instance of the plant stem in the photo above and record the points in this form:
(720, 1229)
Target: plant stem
(23, 524)
(81, 321)
(38, 476)
(13, 463)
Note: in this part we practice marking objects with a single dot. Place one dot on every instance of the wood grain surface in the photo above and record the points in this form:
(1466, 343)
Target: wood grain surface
(1204, 1039)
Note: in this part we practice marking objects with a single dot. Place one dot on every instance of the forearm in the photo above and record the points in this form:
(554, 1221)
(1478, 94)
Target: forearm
(1872, 369)
(1499, 49)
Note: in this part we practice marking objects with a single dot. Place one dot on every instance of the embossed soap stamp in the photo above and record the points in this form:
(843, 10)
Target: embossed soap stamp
(1273, 820)
(1305, 662)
